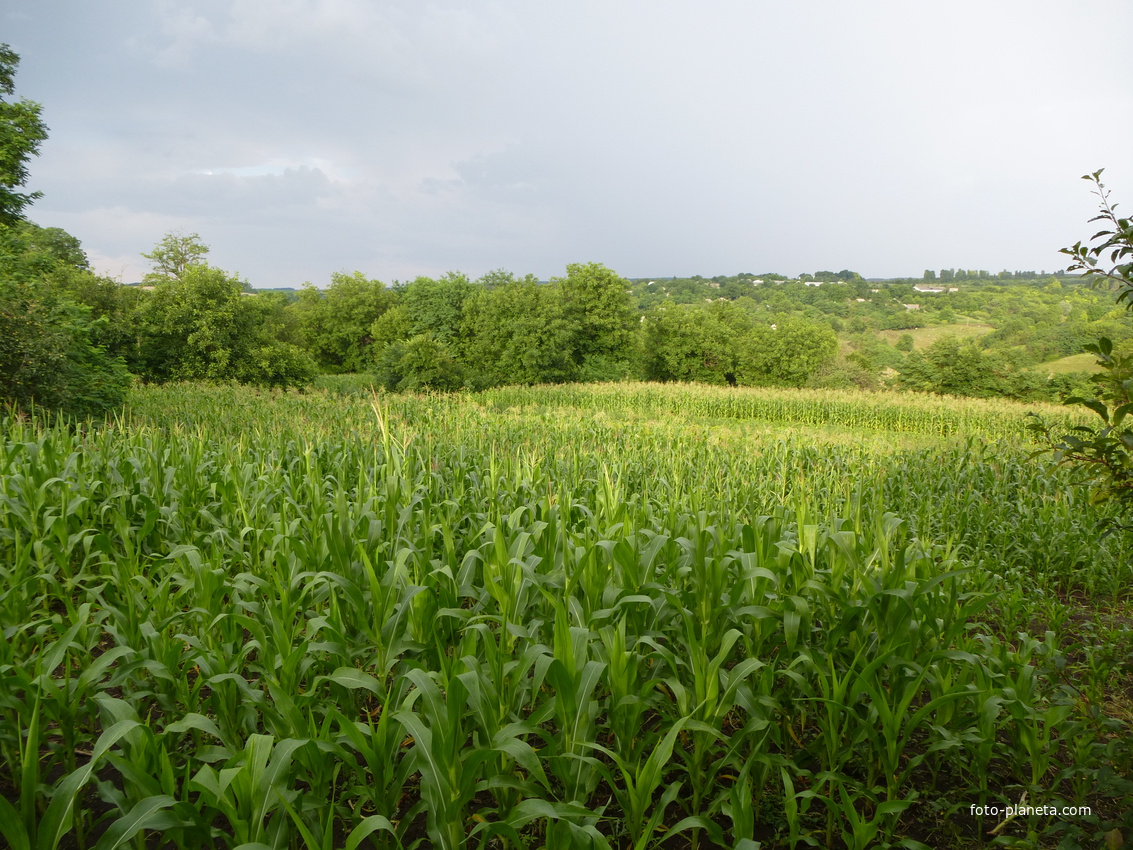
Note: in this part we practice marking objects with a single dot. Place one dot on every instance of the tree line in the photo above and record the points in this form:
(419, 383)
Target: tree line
(74, 340)
(190, 320)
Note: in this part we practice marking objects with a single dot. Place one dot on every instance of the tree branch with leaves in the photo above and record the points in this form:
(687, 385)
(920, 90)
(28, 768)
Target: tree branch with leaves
(1104, 452)
(22, 131)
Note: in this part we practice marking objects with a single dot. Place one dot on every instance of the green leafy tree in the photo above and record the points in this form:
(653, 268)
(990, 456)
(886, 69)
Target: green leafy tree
(392, 326)
(690, 344)
(786, 355)
(54, 244)
(112, 306)
(950, 366)
(436, 306)
(202, 324)
(336, 324)
(194, 326)
(276, 356)
(605, 327)
(174, 255)
(49, 354)
(49, 351)
(420, 341)
(421, 362)
(517, 333)
(22, 131)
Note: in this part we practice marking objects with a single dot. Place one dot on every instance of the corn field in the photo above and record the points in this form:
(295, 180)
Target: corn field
(553, 617)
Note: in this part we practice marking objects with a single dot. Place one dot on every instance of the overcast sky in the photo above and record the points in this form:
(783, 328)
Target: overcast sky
(398, 138)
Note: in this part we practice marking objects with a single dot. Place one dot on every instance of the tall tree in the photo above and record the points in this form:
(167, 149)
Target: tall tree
(49, 354)
(174, 255)
(515, 333)
(436, 307)
(598, 305)
(22, 131)
(336, 322)
(200, 322)
(786, 354)
(692, 343)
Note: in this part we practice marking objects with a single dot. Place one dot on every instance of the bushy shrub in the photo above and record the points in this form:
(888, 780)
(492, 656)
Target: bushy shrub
(47, 357)
(419, 363)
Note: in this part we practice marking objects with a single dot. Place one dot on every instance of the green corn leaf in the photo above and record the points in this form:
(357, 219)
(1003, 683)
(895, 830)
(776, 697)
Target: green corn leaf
(195, 721)
(12, 827)
(147, 814)
(370, 825)
(353, 679)
(58, 819)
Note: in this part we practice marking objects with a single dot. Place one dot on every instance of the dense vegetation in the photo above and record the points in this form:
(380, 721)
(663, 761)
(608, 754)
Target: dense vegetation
(575, 617)
(191, 320)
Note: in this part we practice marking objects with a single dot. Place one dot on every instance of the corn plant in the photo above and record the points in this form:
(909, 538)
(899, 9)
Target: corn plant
(557, 616)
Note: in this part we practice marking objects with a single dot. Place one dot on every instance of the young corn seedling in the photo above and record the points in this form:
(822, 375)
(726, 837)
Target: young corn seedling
(450, 767)
(634, 789)
(251, 789)
(25, 829)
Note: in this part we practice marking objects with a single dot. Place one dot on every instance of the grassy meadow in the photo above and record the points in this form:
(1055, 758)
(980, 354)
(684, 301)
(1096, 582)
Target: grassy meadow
(620, 616)
(1072, 363)
(926, 336)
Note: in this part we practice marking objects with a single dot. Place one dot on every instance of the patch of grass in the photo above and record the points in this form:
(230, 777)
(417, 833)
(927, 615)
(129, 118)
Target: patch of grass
(1073, 363)
(924, 337)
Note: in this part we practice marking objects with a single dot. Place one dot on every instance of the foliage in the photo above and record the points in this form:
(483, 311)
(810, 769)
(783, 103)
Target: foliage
(517, 332)
(604, 325)
(174, 255)
(335, 323)
(690, 344)
(436, 307)
(960, 367)
(1104, 452)
(421, 362)
(54, 245)
(276, 363)
(113, 310)
(950, 366)
(47, 355)
(785, 355)
(194, 326)
(1113, 247)
(722, 343)
(844, 374)
(204, 325)
(51, 351)
(502, 329)
(22, 131)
